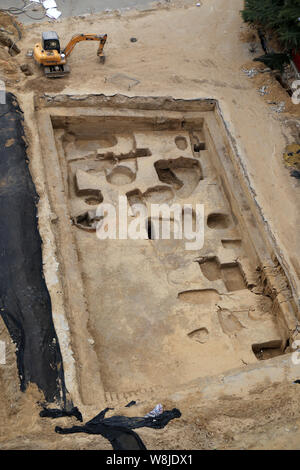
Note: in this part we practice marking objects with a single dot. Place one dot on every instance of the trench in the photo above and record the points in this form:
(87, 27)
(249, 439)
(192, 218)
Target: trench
(159, 315)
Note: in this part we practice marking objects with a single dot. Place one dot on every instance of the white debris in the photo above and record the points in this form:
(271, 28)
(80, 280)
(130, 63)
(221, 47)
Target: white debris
(155, 412)
(263, 90)
(53, 13)
(49, 4)
(279, 107)
(250, 73)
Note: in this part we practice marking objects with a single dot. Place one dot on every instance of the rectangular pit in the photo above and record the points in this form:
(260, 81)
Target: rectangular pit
(146, 314)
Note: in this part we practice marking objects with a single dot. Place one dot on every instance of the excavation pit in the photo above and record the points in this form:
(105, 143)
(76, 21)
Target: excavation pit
(145, 314)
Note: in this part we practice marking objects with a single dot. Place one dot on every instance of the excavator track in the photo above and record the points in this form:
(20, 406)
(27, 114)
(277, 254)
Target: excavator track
(56, 71)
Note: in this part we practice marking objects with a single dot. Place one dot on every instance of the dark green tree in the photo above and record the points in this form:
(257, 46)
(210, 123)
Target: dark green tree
(274, 61)
(281, 16)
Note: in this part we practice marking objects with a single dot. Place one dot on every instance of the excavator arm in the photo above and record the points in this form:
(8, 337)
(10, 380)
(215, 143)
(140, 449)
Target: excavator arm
(86, 37)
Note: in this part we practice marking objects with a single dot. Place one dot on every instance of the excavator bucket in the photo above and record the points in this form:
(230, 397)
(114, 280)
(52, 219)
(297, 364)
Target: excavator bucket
(100, 52)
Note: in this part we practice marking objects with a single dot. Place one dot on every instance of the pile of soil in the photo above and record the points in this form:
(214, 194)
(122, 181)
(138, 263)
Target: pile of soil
(270, 89)
(11, 32)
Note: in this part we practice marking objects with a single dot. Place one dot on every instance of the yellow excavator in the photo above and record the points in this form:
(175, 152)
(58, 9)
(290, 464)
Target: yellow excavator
(48, 53)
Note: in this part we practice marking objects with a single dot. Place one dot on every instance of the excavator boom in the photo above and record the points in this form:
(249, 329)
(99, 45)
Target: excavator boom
(86, 37)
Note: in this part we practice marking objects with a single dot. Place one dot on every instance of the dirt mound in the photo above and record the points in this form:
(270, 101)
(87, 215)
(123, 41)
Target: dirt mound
(9, 23)
(11, 32)
(269, 87)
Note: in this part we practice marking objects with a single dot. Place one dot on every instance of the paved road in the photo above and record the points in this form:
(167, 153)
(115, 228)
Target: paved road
(74, 7)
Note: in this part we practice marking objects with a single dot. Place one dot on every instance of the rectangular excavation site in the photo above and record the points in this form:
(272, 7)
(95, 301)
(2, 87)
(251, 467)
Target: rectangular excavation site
(145, 314)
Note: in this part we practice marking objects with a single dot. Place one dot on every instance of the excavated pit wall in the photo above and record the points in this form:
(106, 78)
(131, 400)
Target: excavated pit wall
(238, 269)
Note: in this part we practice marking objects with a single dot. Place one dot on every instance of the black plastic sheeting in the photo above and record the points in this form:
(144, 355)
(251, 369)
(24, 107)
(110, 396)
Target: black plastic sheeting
(58, 413)
(118, 429)
(25, 304)
(296, 174)
(263, 41)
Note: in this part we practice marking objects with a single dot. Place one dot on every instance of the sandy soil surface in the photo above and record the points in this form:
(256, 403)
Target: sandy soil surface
(185, 52)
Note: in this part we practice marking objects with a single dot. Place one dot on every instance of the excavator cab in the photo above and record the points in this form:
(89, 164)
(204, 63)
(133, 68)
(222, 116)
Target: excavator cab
(50, 41)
